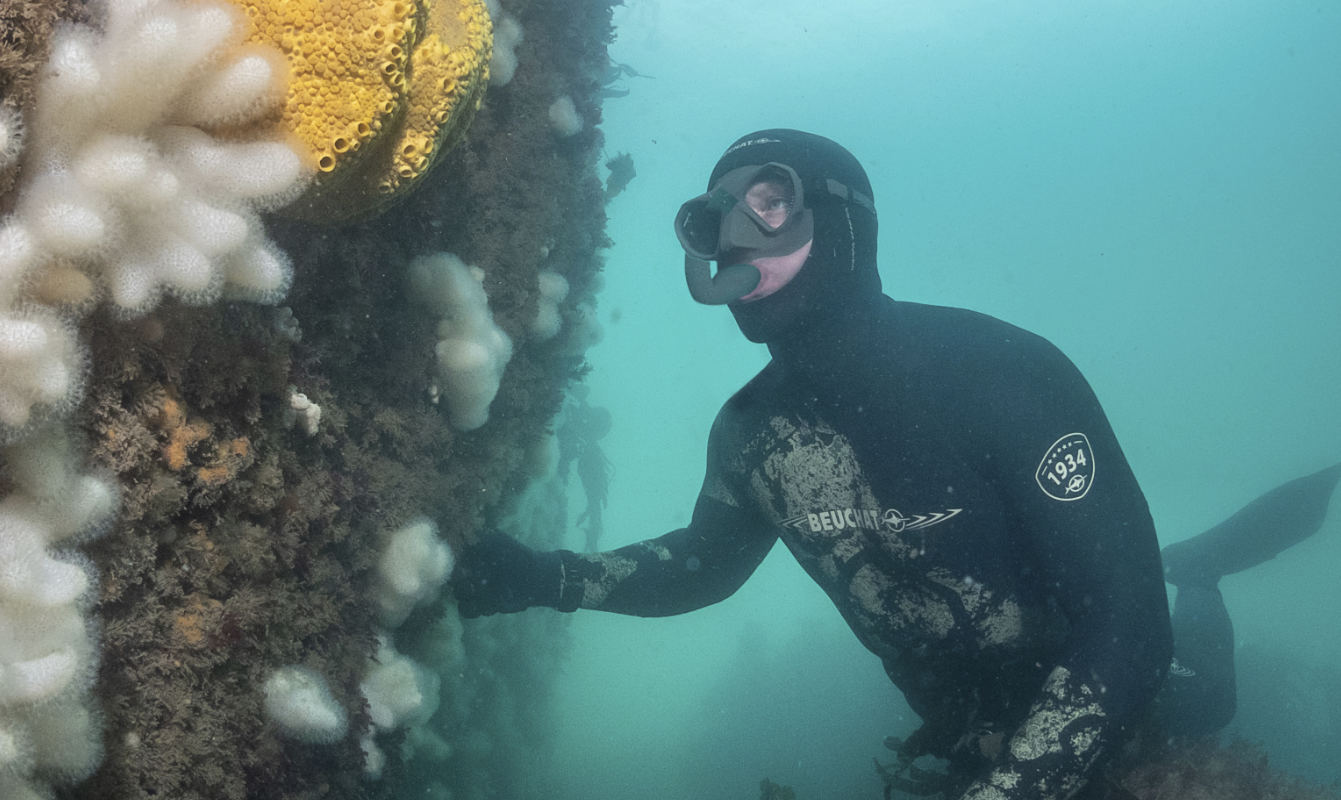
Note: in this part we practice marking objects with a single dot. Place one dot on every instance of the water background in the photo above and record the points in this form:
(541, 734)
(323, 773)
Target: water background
(1154, 187)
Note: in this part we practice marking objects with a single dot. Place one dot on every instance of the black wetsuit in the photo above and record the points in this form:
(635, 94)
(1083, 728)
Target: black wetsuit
(952, 483)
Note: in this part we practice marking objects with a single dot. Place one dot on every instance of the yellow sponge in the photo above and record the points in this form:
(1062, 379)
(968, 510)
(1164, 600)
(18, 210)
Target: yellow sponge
(377, 90)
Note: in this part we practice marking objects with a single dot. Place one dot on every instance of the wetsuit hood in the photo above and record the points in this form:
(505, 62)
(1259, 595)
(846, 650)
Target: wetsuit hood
(839, 277)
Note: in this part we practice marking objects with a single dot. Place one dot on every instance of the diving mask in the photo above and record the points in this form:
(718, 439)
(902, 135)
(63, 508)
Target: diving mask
(753, 213)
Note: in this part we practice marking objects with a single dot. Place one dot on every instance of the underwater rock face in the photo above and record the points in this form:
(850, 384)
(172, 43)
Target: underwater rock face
(1205, 770)
(247, 541)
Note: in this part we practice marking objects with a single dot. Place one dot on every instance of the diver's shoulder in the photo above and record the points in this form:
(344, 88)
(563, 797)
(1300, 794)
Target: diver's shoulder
(964, 336)
(753, 404)
(953, 323)
(757, 394)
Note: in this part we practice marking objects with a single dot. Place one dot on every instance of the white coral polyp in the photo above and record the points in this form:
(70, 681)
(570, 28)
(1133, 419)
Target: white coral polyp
(233, 92)
(472, 351)
(47, 649)
(38, 362)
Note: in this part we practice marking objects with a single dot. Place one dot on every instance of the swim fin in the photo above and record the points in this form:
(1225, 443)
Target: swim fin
(1282, 517)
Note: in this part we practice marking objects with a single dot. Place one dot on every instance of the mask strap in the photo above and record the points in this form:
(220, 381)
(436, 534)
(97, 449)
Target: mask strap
(729, 284)
(846, 194)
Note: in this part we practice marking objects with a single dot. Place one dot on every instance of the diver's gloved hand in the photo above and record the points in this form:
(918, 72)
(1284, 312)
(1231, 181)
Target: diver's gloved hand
(500, 575)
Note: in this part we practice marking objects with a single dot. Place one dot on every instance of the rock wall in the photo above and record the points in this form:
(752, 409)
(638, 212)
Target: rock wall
(245, 542)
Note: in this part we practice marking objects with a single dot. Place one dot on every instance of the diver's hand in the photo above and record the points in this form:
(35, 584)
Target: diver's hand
(500, 575)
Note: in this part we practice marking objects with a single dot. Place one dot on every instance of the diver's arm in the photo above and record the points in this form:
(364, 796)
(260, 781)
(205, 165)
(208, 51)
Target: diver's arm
(1088, 535)
(681, 571)
(687, 568)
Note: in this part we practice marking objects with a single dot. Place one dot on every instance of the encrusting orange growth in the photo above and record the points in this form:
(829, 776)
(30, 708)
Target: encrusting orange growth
(192, 621)
(230, 458)
(182, 435)
(377, 88)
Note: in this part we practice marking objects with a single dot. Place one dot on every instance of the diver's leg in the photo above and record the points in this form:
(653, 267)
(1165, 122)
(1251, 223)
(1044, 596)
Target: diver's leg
(1199, 696)
(1282, 517)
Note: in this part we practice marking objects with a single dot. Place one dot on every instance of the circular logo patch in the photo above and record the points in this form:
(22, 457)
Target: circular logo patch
(1067, 470)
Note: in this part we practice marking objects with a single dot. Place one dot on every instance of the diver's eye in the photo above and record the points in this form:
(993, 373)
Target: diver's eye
(772, 201)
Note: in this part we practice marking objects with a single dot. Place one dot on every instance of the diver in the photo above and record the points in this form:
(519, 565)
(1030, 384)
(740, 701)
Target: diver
(579, 438)
(948, 479)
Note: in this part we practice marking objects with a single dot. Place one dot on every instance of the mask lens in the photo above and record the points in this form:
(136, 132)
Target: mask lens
(698, 226)
(772, 197)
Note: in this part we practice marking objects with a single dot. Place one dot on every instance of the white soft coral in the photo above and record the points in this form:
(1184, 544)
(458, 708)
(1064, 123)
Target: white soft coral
(126, 190)
(472, 351)
(47, 646)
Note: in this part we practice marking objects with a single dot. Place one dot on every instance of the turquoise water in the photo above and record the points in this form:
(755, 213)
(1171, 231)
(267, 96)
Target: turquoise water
(1154, 187)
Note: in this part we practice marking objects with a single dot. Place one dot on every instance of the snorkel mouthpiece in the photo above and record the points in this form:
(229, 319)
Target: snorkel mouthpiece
(728, 285)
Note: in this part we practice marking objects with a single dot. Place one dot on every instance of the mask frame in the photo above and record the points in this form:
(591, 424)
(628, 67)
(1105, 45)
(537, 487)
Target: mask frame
(721, 220)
